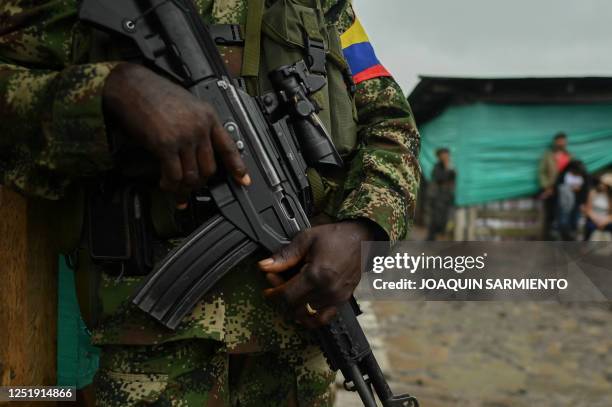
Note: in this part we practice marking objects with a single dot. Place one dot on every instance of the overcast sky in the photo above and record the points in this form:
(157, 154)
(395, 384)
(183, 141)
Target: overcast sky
(494, 38)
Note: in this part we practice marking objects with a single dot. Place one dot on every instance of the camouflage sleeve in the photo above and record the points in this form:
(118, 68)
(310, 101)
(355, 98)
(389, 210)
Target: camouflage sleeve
(384, 174)
(51, 121)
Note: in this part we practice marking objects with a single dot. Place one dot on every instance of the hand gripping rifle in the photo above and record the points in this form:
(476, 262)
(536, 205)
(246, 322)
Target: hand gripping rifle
(279, 136)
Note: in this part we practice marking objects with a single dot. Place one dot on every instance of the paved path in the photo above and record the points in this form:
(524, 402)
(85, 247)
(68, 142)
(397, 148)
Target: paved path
(493, 354)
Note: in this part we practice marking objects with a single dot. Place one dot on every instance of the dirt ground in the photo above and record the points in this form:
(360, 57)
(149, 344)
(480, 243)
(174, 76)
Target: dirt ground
(493, 354)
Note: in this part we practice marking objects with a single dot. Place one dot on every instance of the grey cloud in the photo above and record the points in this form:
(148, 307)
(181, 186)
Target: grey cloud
(490, 37)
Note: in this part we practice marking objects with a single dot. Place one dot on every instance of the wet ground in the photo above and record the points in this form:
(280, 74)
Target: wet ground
(496, 354)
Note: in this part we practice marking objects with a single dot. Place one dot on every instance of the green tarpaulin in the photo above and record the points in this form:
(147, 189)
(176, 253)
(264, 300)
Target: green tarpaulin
(77, 360)
(496, 148)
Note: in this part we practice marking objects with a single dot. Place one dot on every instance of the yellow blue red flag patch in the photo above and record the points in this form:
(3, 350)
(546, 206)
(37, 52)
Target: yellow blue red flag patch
(360, 54)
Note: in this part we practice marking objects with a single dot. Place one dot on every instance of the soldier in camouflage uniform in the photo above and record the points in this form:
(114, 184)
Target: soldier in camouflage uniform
(237, 347)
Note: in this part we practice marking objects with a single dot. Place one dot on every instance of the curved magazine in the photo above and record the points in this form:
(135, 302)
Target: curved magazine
(188, 272)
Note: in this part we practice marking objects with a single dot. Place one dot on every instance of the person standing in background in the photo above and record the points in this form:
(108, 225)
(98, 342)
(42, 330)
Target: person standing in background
(553, 162)
(441, 193)
(570, 196)
(598, 208)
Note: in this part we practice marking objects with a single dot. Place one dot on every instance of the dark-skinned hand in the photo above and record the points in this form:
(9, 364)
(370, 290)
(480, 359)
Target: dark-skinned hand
(181, 131)
(328, 258)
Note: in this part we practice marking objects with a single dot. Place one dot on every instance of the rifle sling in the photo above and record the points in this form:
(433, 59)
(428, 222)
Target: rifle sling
(252, 43)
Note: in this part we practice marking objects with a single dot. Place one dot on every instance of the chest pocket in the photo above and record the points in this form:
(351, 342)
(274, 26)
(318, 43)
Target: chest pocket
(290, 28)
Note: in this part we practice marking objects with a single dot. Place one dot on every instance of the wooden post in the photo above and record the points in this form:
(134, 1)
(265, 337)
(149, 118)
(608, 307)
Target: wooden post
(460, 224)
(28, 293)
(472, 216)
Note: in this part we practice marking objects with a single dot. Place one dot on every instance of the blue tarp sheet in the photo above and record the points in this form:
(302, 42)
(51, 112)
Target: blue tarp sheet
(496, 148)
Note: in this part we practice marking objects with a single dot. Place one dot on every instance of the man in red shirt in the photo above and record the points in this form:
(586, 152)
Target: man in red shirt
(553, 162)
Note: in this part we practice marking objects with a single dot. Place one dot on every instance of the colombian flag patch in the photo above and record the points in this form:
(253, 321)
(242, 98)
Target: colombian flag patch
(360, 55)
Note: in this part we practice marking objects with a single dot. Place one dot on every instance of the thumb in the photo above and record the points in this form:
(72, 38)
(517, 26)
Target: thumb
(289, 256)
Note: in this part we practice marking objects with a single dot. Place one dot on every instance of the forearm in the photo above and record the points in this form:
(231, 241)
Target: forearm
(384, 175)
(52, 127)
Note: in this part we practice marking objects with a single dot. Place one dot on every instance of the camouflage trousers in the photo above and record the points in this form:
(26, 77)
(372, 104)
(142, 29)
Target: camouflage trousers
(199, 372)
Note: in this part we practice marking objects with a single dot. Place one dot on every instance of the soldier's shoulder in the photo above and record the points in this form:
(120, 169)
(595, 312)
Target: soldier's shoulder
(339, 13)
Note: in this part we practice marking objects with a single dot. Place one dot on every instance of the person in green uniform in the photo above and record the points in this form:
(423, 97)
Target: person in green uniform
(66, 91)
(441, 193)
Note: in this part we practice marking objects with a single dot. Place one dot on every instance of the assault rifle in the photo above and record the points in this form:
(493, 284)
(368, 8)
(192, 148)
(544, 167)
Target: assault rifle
(279, 136)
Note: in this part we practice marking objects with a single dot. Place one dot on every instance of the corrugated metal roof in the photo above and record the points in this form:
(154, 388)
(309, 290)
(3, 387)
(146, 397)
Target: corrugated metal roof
(433, 94)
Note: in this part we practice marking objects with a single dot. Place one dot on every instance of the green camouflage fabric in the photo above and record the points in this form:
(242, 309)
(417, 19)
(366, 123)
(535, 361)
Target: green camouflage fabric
(201, 372)
(384, 176)
(234, 312)
(234, 349)
(52, 133)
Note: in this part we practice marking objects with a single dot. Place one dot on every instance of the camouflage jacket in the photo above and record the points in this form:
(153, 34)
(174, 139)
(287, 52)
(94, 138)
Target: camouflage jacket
(53, 134)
